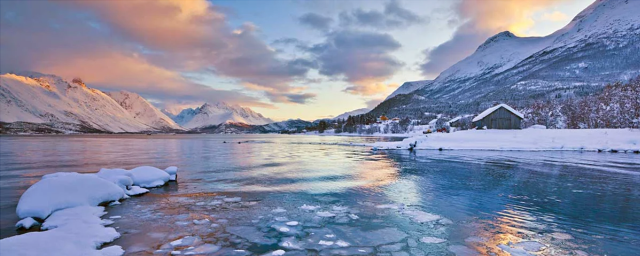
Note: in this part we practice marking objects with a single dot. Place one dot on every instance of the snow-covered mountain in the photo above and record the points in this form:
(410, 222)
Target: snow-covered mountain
(143, 111)
(218, 113)
(600, 45)
(57, 105)
(288, 125)
(409, 87)
(356, 112)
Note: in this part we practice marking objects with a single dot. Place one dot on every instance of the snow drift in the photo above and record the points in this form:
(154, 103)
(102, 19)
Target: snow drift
(68, 204)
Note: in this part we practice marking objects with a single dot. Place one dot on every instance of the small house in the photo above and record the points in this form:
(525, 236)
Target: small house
(383, 118)
(455, 122)
(499, 117)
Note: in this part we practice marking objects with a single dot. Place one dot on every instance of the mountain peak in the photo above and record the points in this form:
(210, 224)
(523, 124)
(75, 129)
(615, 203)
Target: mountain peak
(502, 36)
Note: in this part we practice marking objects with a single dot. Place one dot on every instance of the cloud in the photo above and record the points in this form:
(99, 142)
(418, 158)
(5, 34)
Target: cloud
(144, 47)
(555, 16)
(368, 88)
(363, 58)
(316, 21)
(300, 98)
(481, 20)
(392, 17)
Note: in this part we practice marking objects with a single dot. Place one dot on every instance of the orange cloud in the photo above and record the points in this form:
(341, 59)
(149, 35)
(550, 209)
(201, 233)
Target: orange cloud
(371, 87)
(497, 16)
(555, 16)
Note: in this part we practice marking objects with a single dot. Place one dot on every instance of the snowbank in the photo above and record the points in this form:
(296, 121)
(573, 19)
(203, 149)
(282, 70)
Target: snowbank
(173, 172)
(68, 204)
(528, 139)
(149, 177)
(72, 231)
(65, 190)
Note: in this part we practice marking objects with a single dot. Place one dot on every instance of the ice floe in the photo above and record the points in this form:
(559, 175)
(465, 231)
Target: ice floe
(149, 177)
(432, 240)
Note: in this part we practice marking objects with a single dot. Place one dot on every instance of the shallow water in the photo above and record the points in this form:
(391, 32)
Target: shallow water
(307, 196)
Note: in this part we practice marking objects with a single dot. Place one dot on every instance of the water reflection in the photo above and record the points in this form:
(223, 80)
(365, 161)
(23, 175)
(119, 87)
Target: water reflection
(473, 201)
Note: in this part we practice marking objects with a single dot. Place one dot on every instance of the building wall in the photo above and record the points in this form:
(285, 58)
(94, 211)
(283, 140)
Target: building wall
(500, 119)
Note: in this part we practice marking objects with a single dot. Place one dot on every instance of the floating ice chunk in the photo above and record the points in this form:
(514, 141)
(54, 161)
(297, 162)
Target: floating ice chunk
(185, 241)
(65, 190)
(27, 223)
(330, 235)
(114, 203)
(342, 243)
(339, 208)
(353, 216)
(173, 172)
(232, 199)
(215, 202)
(309, 207)
(115, 217)
(325, 214)
(514, 251)
(530, 246)
(461, 250)
(281, 219)
(215, 225)
(561, 236)
(135, 190)
(291, 243)
(284, 229)
(420, 216)
(391, 247)
(182, 223)
(199, 203)
(327, 243)
(278, 210)
(432, 240)
(72, 231)
(278, 252)
(201, 222)
(149, 177)
(292, 223)
(251, 234)
(389, 206)
(206, 249)
(176, 252)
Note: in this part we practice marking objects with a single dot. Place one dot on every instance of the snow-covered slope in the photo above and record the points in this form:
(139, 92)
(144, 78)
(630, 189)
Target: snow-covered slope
(47, 99)
(600, 45)
(409, 87)
(143, 111)
(288, 125)
(356, 112)
(218, 113)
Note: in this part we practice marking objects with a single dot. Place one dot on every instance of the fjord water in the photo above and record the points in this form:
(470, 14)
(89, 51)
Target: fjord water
(246, 197)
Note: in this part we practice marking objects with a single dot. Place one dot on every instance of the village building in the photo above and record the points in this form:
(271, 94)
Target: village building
(499, 117)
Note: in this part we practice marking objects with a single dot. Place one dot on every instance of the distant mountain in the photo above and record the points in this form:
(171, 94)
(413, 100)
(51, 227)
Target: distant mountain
(288, 125)
(409, 87)
(218, 113)
(600, 45)
(34, 102)
(143, 111)
(356, 112)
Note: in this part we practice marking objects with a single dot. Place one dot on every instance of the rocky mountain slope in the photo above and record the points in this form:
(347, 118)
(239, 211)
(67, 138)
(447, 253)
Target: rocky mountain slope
(356, 112)
(218, 113)
(143, 111)
(600, 45)
(409, 87)
(34, 102)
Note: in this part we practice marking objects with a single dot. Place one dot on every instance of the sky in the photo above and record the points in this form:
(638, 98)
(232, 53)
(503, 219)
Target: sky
(282, 58)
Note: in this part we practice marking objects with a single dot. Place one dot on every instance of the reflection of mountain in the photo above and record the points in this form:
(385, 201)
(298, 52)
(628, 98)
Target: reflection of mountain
(600, 45)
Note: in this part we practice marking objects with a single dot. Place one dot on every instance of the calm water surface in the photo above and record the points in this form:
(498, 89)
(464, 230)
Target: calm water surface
(346, 200)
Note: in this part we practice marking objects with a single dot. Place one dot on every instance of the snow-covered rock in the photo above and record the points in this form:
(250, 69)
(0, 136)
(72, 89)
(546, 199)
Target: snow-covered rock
(149, 176)
(72, 231)
(172, 171)
(27, 223)
(218, 113)
(143, 111)
(65, 190)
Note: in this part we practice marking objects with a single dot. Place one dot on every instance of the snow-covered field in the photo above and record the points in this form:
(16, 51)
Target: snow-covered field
(525, 140)
(65, 206)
